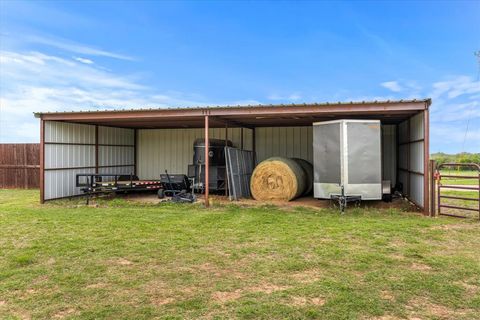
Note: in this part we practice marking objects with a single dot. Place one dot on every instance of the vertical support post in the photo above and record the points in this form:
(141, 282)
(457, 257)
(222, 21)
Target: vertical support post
(226, 145)
(96, 149)
(241, 138)
(433, 168)
(135, 138)
(409, 146)
(42, 161)
(426, 161)
(254, 148)
(397, 151)
(207, 163)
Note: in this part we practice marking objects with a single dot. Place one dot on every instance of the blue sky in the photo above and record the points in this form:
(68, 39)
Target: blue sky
(57, 56)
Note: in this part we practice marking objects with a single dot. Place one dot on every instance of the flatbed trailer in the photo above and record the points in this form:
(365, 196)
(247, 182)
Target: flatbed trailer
(94, 183)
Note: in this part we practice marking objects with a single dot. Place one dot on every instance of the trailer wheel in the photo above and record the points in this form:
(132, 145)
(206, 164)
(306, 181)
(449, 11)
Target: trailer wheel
(161, 193)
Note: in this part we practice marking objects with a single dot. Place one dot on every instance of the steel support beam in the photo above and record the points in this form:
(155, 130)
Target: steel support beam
(254, 148)
(207, 163)
(426, 161)
(226, 145)
(42, 161)
(135, 142)
(96, 149)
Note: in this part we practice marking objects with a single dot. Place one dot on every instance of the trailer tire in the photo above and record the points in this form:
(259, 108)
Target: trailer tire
(161, 193)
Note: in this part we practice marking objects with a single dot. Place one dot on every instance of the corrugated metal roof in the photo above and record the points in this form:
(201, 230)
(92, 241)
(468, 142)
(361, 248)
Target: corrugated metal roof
(320, 104)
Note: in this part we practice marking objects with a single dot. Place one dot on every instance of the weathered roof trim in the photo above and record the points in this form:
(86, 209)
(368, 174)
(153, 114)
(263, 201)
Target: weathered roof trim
(427, 103)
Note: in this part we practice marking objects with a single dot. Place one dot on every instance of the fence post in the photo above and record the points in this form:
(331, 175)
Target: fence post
(433, 168)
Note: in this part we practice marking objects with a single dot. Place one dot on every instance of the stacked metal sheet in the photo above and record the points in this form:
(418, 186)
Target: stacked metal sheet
(240, 164)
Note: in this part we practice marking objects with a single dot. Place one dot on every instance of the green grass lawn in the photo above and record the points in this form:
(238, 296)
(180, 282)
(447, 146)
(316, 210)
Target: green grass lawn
(122, 260)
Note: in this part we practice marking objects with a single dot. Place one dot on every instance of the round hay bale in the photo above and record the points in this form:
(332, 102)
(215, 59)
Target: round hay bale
(308, 168)
(277, 179)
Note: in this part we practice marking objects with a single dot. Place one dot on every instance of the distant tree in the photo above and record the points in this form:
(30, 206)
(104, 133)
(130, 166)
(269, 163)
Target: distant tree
(463, 157)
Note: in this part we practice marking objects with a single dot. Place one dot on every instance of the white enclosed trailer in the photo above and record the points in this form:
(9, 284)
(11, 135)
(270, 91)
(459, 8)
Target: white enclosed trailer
(347, 153)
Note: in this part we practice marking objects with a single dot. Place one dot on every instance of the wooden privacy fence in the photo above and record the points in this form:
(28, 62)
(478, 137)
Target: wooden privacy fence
(19, 165)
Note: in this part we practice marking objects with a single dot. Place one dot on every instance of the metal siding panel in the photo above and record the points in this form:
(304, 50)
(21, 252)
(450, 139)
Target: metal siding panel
(115, 155)
(61, 183)
(416, 127)
(416, 189)
(309, 134)
(65, 156)
(110, 135)
(170, 149)
(389, 153)
(117, 170)
(403, 179)
(284, 142)
(403, 135)
(69, 132)
(416, 156)
(259, 143)
(403, 156)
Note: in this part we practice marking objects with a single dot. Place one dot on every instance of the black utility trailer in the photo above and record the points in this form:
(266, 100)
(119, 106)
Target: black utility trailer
(102, 183)
(92, 183)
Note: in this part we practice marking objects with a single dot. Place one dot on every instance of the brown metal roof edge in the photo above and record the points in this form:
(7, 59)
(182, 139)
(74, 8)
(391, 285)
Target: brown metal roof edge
(426, 101)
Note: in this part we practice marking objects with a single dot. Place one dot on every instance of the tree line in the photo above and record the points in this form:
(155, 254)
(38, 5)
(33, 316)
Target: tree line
(463, 157)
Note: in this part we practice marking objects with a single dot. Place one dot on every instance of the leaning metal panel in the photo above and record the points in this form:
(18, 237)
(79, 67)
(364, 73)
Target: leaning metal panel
(239, 171)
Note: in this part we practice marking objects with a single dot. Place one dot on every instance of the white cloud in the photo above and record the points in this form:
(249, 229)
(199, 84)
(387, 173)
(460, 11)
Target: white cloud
(455, 87)
(455, 108)
(33, 82)
(74, 47)
(83, 60)
(392, 86)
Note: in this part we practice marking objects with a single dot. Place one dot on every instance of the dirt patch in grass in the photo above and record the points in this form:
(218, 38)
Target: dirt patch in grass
(96, 285)
(387, 295)
(308, 276)
(162, 301)
(124, 262)
(267, 288)
(471, 289)
(420, 267)
(226, 296)
(420, 306)
(304, 301)
(456, 226)
(64, 313)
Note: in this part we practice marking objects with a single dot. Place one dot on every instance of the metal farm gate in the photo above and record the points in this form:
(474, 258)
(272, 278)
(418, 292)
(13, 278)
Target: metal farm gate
(450, 190)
